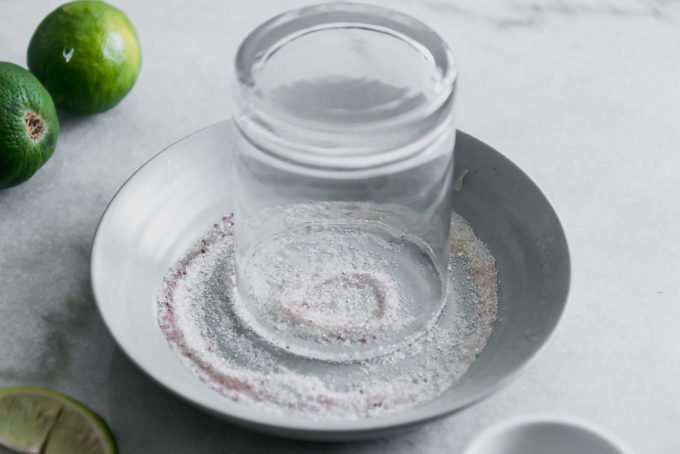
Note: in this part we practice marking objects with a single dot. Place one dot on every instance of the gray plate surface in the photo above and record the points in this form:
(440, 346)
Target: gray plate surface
(169, 203)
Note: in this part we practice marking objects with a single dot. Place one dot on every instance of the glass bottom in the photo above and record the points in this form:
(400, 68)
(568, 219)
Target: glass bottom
(341, 290)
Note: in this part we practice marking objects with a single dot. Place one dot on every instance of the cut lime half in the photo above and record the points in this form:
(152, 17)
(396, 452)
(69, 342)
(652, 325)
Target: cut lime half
(41, 421)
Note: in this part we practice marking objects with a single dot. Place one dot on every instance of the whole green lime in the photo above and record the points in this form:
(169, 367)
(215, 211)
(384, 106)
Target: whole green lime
(87, 55)
(28, 125)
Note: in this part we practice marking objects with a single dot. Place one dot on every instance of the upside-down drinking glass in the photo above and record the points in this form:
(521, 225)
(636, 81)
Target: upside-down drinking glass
(342, 180)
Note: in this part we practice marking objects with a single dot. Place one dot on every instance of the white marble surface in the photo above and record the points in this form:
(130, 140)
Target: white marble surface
(582, 95)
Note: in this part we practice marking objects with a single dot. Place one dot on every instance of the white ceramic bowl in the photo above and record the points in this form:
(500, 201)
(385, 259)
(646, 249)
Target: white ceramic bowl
(545, 434)
(170, 202)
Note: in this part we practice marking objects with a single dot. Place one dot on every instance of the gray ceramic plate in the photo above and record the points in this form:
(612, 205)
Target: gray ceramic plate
(171, 201)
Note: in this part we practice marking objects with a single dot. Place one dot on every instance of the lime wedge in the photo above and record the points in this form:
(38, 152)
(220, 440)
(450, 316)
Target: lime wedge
(41, 421)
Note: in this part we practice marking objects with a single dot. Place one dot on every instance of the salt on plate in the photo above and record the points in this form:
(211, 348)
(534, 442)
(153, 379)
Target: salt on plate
(195, 312)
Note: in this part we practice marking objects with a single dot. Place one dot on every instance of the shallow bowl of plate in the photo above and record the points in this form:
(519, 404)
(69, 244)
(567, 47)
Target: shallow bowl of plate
(170, 202)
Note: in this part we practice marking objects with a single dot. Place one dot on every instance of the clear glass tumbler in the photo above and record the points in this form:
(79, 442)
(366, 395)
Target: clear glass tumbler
(342, 180)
